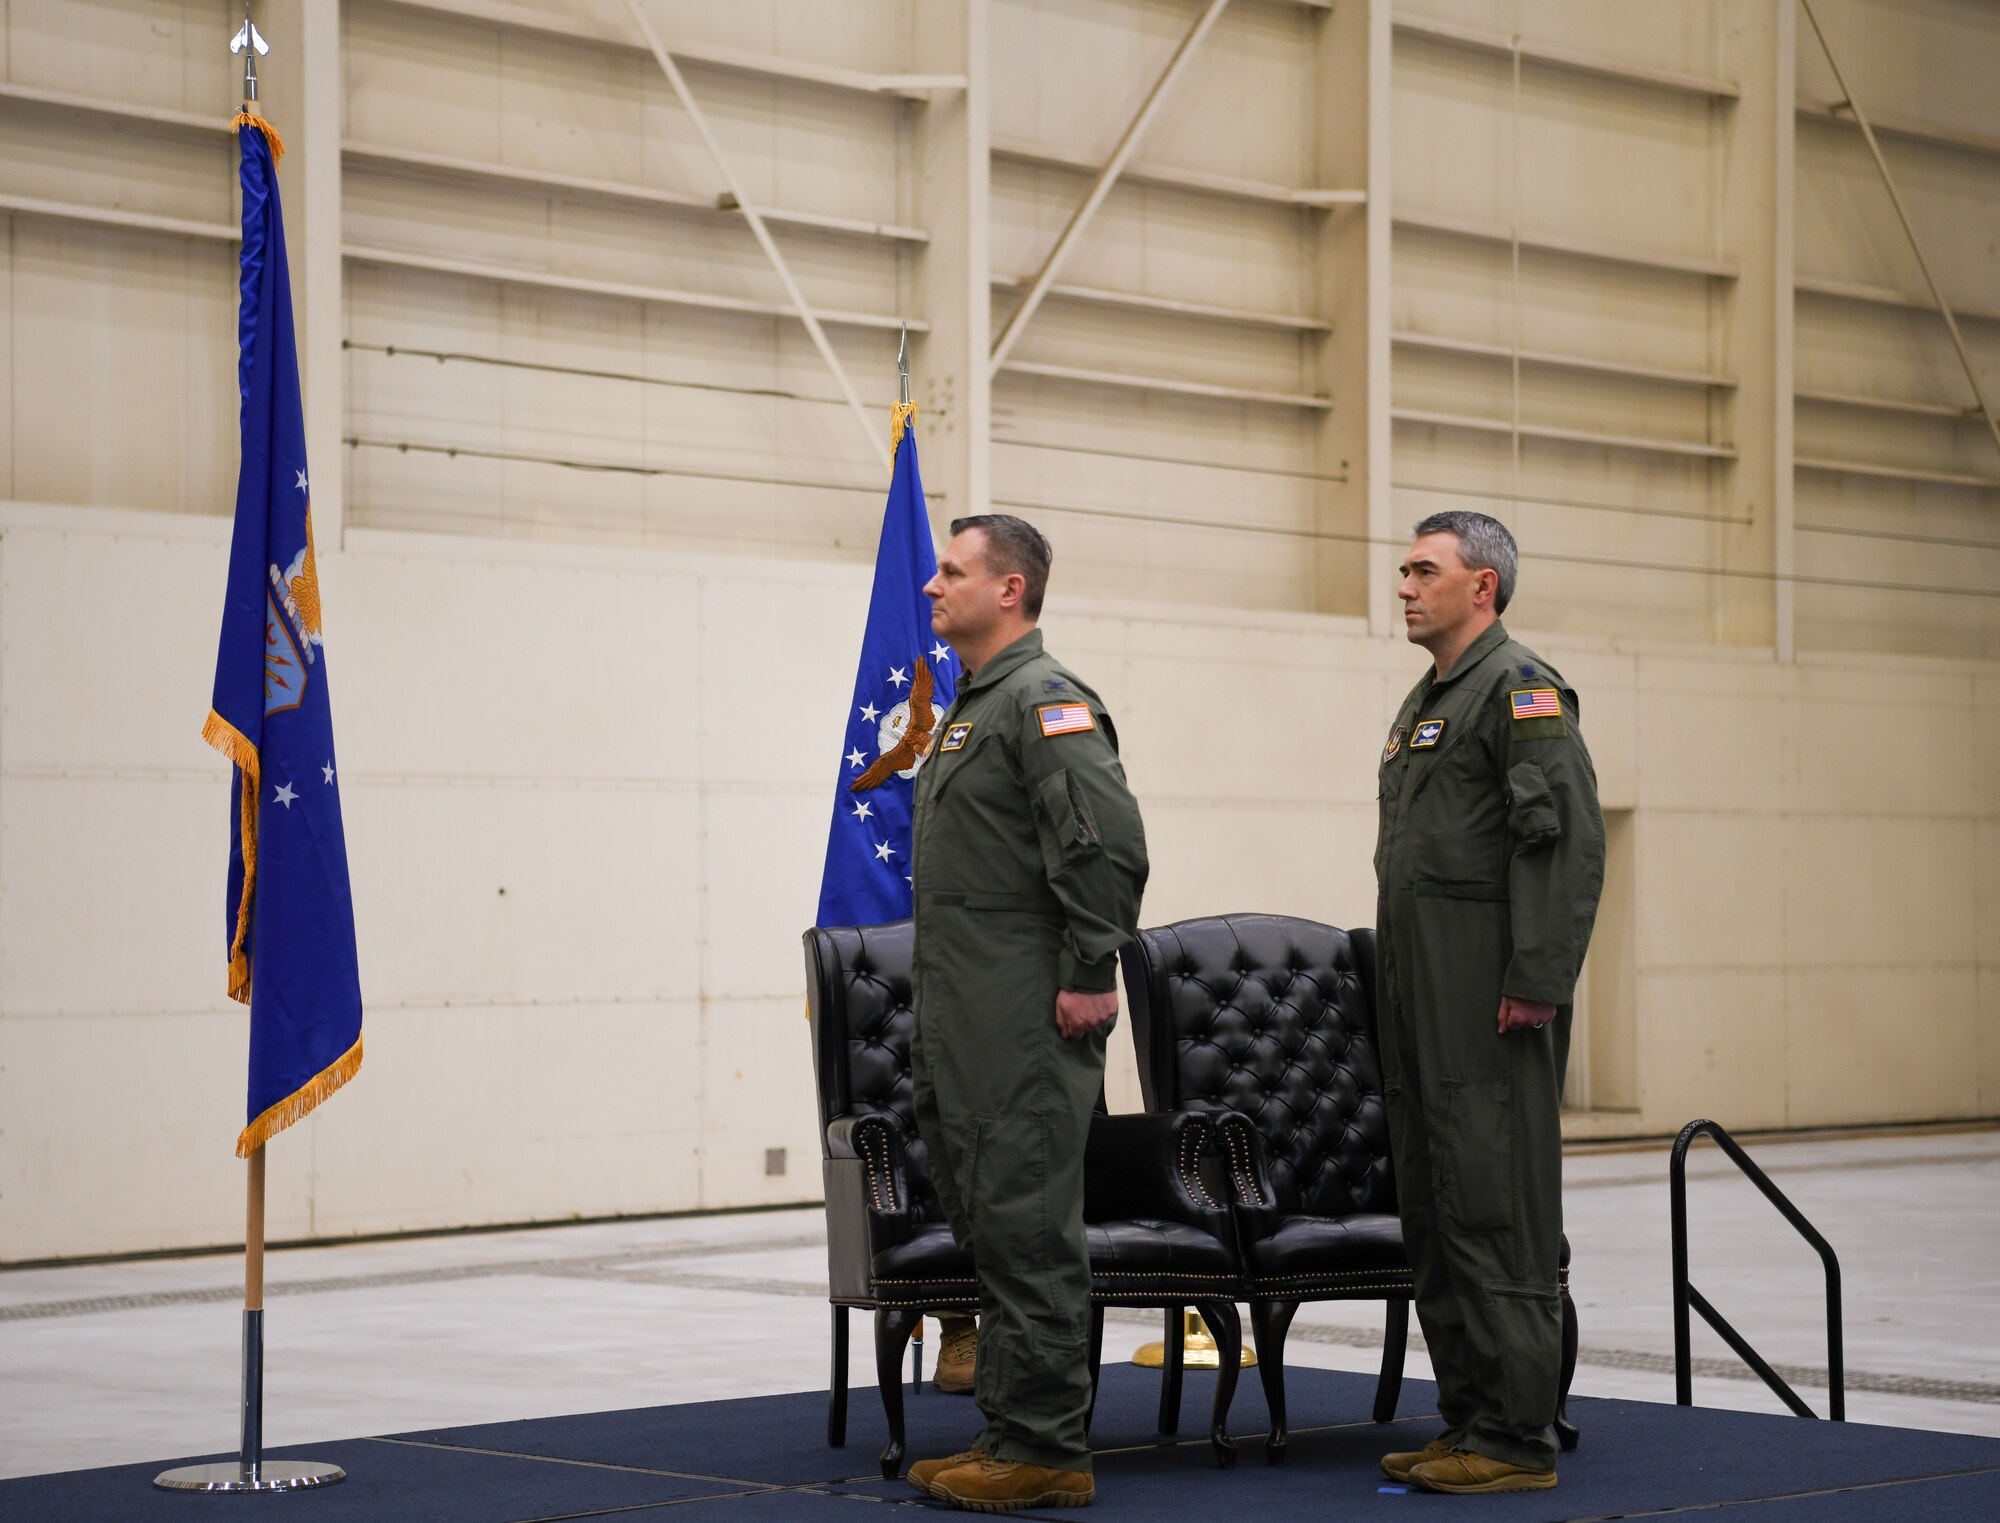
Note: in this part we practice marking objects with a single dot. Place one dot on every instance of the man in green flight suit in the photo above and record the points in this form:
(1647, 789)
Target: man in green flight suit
(1489, 863)
(1029, 862)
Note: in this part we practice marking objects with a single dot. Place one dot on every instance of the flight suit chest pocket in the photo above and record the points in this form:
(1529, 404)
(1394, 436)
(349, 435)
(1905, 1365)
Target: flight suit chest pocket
(1063, 823)
(952, 765)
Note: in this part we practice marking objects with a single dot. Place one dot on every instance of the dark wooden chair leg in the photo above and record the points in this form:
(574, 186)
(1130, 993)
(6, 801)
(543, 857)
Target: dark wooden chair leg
(1170, 1373)
(1226, 1328)
(1272, 1320)
(1566, 1431)
(836, 1404)
(1096, 1360)
(1395, 1343)
(892, 1332)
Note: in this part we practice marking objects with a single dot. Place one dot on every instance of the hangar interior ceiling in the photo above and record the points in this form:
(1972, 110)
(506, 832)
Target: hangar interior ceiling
(1623, 273)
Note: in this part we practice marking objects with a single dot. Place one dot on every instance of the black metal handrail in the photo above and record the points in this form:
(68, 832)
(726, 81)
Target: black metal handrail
(1685, 1295)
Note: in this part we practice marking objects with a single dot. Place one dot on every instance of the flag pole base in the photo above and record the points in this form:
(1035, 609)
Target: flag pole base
(1198, 1350)
(233, 1475)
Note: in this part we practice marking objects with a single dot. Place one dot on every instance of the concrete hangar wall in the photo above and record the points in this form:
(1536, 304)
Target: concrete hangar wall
(595, 531)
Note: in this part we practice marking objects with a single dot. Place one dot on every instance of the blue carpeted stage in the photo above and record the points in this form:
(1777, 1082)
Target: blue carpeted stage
(765, 1460)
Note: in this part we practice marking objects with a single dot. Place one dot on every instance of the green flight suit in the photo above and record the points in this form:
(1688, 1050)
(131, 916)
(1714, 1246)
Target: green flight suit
(1489, 865)
(1029, 862)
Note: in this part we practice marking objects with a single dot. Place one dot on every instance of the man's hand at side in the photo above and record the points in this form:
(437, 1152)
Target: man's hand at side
(1080, 1014)
(1523, 1014)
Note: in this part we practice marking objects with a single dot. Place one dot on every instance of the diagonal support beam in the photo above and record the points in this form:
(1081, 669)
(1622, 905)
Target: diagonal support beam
(665, 59)
(1106, 178)
(1909, 230)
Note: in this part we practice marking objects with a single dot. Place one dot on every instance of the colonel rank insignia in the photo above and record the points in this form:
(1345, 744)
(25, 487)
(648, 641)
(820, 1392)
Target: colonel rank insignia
(955, 737)
(1395, 744)
(1427, 734)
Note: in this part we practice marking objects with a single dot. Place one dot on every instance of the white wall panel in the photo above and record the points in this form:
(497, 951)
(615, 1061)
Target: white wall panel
(130, 341)
(118, 1132)
(539, 1054)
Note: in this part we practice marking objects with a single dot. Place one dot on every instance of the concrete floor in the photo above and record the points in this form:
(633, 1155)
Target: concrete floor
(115, 1363)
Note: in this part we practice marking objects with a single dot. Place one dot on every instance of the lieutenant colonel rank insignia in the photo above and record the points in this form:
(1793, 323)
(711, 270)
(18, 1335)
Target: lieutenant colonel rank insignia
(954, 737)
(1427, 734)
(1065, 718)
(1395, 744)
(1536, 703)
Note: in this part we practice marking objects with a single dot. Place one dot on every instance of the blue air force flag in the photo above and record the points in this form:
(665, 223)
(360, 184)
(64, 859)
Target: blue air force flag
(906, 681)
(290, 916)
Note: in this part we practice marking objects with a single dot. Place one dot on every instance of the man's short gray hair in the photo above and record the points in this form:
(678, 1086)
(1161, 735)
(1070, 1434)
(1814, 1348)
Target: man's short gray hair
(1483, 545)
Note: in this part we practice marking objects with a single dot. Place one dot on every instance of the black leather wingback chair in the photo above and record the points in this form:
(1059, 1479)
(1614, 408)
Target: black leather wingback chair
(1158, 1235)
(1267, 1023)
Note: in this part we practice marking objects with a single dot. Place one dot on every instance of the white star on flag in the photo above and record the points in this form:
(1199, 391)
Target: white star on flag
(862, 809)
(898, 676)
(302, 481)
(328, 770)
(285, 795)
(855, 758)
(870, 713)
(884, 851)
(939, 652)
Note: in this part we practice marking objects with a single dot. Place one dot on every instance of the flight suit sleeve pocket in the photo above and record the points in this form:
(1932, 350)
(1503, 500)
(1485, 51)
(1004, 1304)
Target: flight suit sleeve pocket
(1063, 823)
(1477, 1174)
(1531, 804)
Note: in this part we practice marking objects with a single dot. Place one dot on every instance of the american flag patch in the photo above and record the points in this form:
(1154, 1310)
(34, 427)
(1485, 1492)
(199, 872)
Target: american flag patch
(1065, 718)
(1536, 703)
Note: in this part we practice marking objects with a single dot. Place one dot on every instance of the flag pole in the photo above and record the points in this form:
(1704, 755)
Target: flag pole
(251, 1456)
(249, 1472)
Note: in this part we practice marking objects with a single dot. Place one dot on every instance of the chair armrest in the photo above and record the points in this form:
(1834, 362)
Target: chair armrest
(1250, 1187)
(876, 1140)
(1148, 1166)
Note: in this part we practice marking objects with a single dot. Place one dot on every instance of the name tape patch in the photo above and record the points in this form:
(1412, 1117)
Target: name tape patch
(1536, 703)
(954, 737)
(1065, 718)
(1427, 734)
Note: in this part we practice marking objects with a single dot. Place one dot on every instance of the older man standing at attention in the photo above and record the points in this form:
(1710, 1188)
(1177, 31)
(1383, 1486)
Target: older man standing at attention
(1029, 863)
(1489, 863)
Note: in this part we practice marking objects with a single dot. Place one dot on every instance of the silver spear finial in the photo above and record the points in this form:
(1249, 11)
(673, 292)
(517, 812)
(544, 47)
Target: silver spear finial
(251, 44)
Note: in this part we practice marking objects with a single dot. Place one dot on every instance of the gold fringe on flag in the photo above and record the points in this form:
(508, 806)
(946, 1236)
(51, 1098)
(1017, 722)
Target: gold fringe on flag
(244, 119)
(901, 416)
(295, 1106)
(232, 743)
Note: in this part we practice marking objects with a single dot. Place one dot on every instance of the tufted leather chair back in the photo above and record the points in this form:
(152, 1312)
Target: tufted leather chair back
(1274, 1018)
(858, 996)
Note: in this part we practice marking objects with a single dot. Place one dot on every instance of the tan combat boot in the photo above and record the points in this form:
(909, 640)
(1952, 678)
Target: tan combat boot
(1463, 1473)
(987, 1484)
(958, 1343)
(921, 1474)
(1397, 1467)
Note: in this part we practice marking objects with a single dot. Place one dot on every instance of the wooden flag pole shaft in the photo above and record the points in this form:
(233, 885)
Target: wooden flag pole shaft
(253, 1237)
(252, 1456)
